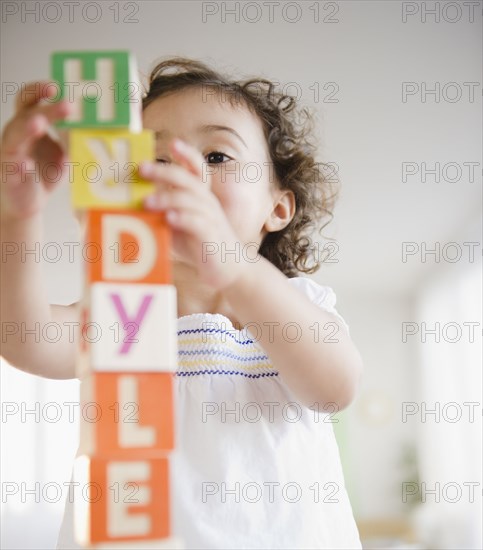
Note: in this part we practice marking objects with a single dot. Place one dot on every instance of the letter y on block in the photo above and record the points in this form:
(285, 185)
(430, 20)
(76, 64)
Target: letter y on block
(133, 328)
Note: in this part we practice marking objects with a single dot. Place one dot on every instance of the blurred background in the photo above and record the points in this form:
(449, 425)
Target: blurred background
(397, 91)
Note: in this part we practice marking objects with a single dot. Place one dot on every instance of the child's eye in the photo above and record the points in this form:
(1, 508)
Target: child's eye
(216, 157)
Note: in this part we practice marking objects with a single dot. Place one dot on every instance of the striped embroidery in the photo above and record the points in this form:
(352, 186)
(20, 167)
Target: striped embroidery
(223, 353)
(213, 343)
(207, 363)
(216, 331)
(194, 373)
(203, 351)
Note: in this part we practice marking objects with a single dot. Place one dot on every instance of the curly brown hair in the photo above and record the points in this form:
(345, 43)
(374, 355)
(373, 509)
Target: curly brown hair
(288, 130)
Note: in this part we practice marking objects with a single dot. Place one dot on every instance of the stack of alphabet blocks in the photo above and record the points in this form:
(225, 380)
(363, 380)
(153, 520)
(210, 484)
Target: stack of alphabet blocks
(128, 350)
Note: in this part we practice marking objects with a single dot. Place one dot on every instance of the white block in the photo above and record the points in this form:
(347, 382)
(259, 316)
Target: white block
(131, 328)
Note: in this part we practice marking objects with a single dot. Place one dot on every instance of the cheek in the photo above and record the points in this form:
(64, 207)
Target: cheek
(242, 181)
(145, 120)
(244, 197)
(244, 206)
(236, 197)
(232, 200)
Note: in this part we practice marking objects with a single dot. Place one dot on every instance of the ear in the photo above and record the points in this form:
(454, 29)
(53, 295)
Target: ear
(282, 213)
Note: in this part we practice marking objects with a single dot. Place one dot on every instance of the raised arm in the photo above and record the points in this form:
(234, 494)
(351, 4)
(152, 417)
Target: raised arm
(26, 149)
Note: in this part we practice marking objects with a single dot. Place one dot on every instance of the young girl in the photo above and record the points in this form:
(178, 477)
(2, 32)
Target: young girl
(264, 357)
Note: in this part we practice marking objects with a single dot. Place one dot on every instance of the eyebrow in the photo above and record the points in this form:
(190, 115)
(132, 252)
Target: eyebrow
(206, 129)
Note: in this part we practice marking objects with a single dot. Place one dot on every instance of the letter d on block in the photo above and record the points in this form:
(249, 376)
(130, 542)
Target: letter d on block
(113, 228)
(135, 247)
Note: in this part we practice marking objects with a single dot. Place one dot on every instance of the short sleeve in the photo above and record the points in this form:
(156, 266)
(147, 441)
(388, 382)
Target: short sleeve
(320, 295)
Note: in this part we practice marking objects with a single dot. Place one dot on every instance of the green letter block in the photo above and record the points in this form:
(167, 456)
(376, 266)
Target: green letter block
(103, 87)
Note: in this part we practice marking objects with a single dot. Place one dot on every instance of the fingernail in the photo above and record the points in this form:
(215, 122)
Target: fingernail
(150, 201)
(179, 145)
(146, 169)
(37, 123)
(161, 201)
(172, 216)
(65, 107)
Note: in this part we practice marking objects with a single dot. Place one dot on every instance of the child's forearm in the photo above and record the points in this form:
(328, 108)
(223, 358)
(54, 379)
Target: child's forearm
(25, 311)
(316, 369)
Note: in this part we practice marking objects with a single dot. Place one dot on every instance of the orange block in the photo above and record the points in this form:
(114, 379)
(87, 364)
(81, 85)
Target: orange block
(127, 415)
(121, 500)
(127, 246)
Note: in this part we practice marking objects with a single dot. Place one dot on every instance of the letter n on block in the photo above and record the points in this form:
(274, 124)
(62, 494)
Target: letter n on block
(105, 168)
(128, 328)
(103, 87)
(121, 500)
(128, 416)
(132, 246)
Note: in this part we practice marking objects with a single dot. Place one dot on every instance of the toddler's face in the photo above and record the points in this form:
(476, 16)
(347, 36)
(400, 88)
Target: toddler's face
(242, 176)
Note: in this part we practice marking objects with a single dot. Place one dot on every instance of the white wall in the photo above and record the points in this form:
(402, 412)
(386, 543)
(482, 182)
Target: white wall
(376, 435)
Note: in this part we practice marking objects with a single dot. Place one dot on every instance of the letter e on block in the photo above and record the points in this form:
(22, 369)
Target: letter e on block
(121, 500)
(135, 247)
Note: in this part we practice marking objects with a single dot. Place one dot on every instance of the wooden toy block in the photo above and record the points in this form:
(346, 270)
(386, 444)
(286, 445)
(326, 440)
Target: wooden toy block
(128, 328)
(128, 246)
(120, 500)
(170, 543)
(105, 168)
(103, 87)
(128, 416)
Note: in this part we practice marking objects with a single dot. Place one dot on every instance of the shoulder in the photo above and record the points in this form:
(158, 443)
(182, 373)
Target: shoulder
(321, 295)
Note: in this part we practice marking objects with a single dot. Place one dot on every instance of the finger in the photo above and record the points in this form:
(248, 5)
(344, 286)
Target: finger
(52, 161)
(166, 200)
(31, 93)
(23, 131)
(172, 174)
(20, 135)
(188, 222)
(52, 111)
(187, 156)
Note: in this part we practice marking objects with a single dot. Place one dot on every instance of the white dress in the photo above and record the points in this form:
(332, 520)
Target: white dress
(253, 468)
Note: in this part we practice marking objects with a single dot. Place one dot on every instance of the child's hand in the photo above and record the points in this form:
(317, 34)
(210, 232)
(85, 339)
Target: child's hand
(32, 162)
(195, 215)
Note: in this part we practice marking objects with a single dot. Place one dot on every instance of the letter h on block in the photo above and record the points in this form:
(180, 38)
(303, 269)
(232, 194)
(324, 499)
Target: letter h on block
(103, 87)
(128, 350)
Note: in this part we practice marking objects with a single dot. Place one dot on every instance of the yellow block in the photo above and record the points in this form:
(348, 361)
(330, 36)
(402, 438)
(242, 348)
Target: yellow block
(105, 167)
